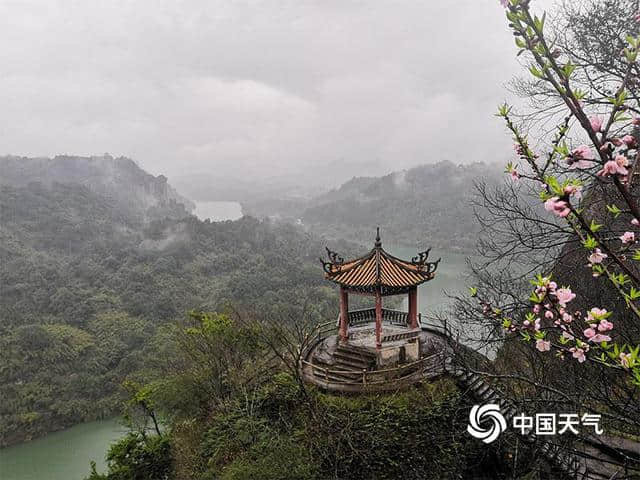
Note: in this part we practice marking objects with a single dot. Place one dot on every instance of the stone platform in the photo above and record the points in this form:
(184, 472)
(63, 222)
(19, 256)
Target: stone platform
(407, 356)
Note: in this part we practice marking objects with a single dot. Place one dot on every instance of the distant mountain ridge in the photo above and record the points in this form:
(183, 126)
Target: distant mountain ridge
(119, 179)
(428, 204)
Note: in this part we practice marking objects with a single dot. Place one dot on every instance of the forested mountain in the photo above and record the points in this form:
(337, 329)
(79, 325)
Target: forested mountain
(87, 280)
(120, 180)
(426, 204)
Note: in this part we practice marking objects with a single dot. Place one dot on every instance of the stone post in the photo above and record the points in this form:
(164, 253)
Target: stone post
(413, 308)
(344, 315)
(378, 319)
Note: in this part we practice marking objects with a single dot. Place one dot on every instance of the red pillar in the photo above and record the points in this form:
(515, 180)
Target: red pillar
(378, 319)
(344, 315)
(413, 308)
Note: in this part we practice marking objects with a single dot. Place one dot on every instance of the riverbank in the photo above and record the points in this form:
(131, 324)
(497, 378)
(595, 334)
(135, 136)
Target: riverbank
(63, 455)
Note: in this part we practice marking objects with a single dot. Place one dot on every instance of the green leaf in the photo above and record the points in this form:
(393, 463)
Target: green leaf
(594, 227)
(568, 69)
(535, 72)
(613, 209)
(590, 243)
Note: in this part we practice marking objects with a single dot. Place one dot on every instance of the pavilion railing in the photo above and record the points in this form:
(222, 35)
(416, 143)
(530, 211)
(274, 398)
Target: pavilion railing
(433, 364)
(390, 317)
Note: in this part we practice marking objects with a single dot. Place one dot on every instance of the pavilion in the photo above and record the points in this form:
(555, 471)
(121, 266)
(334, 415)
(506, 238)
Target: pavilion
(378, 274)
(375, 348)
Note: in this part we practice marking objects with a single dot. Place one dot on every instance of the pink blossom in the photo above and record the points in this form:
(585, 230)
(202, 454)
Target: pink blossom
(564, 296)
(580, 157)
(597, 256)
(596, 123)
(573, 190)
(635, 120)
(543, 345)
(615, 167)
(594, 337)
(504, 3)
(536, 325)
(536, 308)
(567, 335)
(628, 237)
(548, 314)
(515, 176)
(605, 326)
(567, 318)
(625, 359)
(595, 312)
(628, 140)
(635, 222)
(584, 152)
(578, 353)
(622, 161)
(557, 207)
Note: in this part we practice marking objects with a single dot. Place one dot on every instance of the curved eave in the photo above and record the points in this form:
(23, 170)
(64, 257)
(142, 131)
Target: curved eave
(378, 271)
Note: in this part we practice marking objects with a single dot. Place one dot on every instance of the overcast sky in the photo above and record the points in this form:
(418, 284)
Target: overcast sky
(256, 88)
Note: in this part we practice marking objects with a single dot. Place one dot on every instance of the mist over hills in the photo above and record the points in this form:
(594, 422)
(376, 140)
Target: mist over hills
(120, 180)
(99, 259)
(99, 256)
(429, 204)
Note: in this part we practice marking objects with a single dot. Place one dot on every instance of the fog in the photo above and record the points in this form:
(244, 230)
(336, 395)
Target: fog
(313, 91)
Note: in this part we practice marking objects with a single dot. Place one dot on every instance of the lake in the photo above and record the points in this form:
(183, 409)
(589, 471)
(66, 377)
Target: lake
(66, 455)
(63, 455)
(450, 278)
(218, 211)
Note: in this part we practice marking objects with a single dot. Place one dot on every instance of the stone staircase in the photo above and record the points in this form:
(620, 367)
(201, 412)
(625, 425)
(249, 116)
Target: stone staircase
(569, 464)
(349, 362)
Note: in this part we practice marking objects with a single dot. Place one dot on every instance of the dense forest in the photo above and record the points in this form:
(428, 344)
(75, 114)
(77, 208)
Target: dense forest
(235, 411)
(87, 283)
(410, 206)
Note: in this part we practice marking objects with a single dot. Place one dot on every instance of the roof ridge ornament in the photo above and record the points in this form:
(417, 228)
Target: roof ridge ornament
(335, 260)
(421, 258)
(378, 242)
(421, 261)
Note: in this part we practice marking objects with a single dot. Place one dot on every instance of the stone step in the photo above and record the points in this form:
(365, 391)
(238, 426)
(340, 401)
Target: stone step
(337, 376)
(355, 355)
(474, 381)
(349, 347)
(351, 363)
(347, 367)
(354, 359)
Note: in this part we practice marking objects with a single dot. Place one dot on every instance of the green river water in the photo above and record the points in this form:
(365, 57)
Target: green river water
(61, 455)
(66, 455)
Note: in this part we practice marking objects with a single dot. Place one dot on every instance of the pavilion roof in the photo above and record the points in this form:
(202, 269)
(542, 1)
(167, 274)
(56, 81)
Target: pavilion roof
(378, 269)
